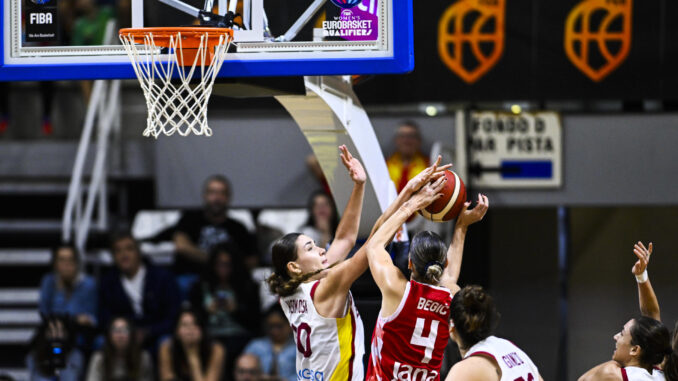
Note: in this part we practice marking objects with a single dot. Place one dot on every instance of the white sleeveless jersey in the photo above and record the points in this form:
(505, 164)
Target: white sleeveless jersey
(328, 349)
(514, 363)
(633, 373)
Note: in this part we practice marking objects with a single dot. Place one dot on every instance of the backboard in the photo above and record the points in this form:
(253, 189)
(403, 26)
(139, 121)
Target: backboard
(78, 39)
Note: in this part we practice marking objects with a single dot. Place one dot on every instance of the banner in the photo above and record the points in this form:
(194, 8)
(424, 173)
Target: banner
(493, 50)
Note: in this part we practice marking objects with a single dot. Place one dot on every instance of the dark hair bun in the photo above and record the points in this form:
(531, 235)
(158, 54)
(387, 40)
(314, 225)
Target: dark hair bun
(474, 315)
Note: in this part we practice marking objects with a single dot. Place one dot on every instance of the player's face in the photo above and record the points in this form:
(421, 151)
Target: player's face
(623, 348)
(310, 257)
(322, 209)
(216, 197)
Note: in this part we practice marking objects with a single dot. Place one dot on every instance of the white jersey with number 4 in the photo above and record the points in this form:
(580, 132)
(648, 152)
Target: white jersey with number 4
(633, 373)
(514, 363)
(328, 349)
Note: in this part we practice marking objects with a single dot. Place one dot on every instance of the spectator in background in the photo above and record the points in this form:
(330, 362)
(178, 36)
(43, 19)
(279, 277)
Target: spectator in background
(68, 292)
(190, 354)
(407, 160)
(247, 368)
(136, 289)
(276, 352)
(121, 358)
(198, 232)
(322, 218)
(52, 352)
(229, 299)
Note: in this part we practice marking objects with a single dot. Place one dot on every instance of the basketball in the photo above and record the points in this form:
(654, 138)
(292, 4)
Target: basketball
(447, 207)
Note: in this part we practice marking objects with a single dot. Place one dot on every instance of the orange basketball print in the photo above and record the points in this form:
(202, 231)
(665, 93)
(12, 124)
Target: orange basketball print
(600, 27)
(478, 23)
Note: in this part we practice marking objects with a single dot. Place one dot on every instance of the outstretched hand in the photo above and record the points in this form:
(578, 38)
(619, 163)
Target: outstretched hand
(643, 255)
(355, 169)
(428, 193)
(469, 217)
(432, 173)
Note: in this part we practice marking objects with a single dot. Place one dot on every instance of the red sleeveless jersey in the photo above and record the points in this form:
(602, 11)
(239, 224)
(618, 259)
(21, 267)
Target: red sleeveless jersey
(409, 344)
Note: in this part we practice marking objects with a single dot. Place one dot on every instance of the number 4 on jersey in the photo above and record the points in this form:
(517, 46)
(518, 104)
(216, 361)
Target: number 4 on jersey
(428, 342)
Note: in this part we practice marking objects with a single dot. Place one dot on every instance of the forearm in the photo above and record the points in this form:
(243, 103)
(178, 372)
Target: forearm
(649, 305)
(392, 208)
(188, 249)
(455, 253)
(350, 221)
(383, 235)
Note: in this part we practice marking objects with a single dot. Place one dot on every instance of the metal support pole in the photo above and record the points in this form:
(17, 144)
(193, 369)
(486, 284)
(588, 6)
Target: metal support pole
(563, 270)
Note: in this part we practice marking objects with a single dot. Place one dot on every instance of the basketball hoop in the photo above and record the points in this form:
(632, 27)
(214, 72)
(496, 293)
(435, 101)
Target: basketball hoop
(177, 107)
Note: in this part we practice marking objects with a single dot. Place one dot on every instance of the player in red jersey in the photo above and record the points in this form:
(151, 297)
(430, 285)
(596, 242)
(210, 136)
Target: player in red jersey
(412, 329)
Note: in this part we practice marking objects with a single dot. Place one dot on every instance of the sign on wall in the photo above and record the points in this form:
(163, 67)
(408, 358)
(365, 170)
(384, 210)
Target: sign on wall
(515, 150)
(41, 20)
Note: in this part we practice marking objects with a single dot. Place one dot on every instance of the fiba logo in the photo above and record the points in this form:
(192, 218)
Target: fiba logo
(346, 14)
(346, 4)
(598, 48)
(40, 2)
(484, 38)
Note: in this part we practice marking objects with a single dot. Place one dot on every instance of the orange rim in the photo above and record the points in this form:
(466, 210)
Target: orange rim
(190, 35)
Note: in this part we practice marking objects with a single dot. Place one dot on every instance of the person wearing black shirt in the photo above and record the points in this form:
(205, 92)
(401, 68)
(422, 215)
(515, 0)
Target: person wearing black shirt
(199, 232)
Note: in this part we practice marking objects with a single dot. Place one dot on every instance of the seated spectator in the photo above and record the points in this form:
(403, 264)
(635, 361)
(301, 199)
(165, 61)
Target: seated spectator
(121, 358)
(139, 291)
(53, 355)
(276, 351)
(190, 354)
(407, 160)
(247, 368)
(198, 232)
(67, 291)
(229, 299)
(322, 218)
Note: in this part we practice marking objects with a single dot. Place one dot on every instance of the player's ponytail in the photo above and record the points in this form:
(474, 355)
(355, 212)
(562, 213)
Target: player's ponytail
(474, 315)
(428, 255)
(671, 364)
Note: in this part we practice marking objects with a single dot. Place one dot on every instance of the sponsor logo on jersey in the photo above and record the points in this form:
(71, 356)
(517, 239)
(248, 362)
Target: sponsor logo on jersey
(404, 372)
(430, 305)
(297, 306)
(512, 359)
(310, 374)
(346, 3)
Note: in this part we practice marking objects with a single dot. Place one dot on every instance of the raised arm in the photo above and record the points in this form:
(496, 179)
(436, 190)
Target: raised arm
(347, 231)
(649, 305)
(456, 250)
(341, 278)
(388, 277)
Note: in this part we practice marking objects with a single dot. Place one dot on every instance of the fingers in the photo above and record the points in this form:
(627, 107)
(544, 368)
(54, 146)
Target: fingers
(438, 185)
(650, 249)
(437, 163)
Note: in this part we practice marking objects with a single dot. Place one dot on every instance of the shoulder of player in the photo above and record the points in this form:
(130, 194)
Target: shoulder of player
(609, 371)
(476, 367)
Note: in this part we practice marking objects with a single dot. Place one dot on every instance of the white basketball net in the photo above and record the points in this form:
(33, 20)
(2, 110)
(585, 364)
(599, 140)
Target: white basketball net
(179, 107)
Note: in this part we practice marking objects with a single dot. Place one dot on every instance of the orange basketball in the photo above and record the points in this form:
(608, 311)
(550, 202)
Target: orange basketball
(448, 206)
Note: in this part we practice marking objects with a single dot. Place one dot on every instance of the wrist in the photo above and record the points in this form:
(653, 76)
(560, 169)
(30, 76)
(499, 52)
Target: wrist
(642, 278)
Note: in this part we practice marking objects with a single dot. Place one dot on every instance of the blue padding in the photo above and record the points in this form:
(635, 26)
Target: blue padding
(527, 169)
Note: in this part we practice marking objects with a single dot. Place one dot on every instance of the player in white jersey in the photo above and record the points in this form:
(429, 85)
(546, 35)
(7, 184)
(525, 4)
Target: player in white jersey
(644, 349)
(313, 285)
(473, 318)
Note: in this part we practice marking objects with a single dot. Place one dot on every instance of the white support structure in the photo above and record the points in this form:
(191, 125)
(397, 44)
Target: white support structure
(330, 115)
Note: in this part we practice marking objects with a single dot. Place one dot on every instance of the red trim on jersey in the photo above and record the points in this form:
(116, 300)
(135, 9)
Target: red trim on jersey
(657, 368)
(350, 362)
(315, 285)
(482, 353)
(624, 376)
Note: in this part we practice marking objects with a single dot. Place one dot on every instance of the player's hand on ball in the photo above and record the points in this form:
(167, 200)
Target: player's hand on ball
(643, 255)
(355, 169)
(434, 172)
(428, 193)
(468, 217)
